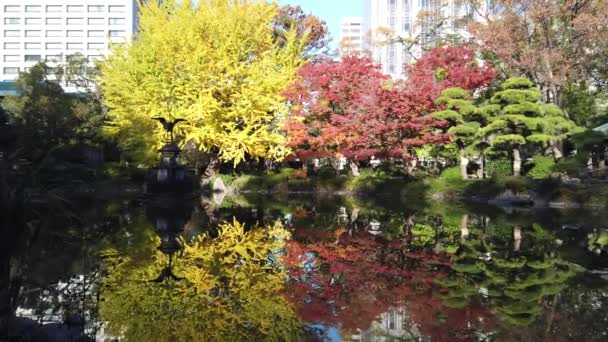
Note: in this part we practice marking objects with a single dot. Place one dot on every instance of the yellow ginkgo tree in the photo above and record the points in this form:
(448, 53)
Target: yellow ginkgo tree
(214, 63)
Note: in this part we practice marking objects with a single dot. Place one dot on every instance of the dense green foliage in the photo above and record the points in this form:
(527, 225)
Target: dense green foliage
(541, 167)
(518, 118)
(497, 168)
(48, 119)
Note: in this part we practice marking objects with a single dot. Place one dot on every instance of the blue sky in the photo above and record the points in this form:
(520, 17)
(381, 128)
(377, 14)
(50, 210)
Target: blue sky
(331, 11)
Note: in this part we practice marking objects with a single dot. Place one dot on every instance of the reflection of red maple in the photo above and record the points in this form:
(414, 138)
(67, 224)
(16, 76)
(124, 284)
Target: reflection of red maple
(350, 281)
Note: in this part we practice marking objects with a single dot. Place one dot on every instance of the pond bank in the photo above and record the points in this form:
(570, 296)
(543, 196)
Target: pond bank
(508, 191)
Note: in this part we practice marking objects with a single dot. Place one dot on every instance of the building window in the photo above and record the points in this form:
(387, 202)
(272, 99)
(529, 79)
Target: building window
(53, 33)
(117, 8)
(53, 46)
(32, 46)
(33, 21)
(53, 21)
(96, 46)
(407, 14)
(53, 8)
(11, 46)
(392, 13)
(11, 71)
(96, 33)
(75, 33)
(12, 33)
(32, 58)
(11, 8)
(95, 21)
(116, 21)
(33, 33)
(113, 33)
(53, 58)
(74, 21)
(74, 46)
(75, 8)
(33, 8)
(95, 8)
(11, 58)
(12, 21)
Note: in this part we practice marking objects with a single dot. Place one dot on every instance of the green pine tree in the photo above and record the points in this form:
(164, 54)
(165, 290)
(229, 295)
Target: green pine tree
(518, 116)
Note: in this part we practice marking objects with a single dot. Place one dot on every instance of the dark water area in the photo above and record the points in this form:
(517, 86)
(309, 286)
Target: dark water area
(260, 268)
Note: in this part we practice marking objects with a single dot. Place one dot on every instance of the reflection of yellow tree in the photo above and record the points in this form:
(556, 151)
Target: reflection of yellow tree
(229, 291)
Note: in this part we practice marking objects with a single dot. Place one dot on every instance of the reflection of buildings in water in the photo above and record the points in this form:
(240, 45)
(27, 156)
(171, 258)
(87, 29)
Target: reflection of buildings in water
(66, 309)
(393, 325)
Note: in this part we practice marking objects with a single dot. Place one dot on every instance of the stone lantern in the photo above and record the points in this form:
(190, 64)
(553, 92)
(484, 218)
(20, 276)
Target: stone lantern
(169, 177)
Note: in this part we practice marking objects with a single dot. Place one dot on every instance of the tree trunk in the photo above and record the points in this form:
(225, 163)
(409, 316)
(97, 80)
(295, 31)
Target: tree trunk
(480, 173)
(464, 226)
(354, 168)
(335, 164)
(516, 238)
(464, 163)
(516, 162)
(211, 210)
(556, 150)
(410, 166)
(212, 169)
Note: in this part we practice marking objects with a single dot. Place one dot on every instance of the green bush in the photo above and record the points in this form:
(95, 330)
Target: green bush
(498, 168)
(541, 167)
(450, 180)
(451, 175)
(573, 167)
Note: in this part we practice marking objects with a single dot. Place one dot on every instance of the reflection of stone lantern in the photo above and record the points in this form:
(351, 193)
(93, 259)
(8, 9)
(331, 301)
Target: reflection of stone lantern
(168, 216)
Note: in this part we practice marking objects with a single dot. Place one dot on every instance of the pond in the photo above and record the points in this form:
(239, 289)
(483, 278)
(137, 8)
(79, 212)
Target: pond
(302, 267)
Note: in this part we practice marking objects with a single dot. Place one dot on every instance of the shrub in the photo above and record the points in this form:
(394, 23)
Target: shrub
(499, 168)
(449, 180)
(541, 167)
(573, 167)
(451, 175)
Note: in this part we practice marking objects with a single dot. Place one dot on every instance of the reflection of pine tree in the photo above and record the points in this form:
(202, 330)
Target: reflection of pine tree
(515, 283)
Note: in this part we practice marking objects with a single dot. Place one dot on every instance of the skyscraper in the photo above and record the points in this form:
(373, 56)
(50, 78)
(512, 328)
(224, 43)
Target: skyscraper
(32, 31)
(401, 30)
(351, 36)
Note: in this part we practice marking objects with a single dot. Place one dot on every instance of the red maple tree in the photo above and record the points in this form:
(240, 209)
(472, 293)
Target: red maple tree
(350, 108)
(442, 68)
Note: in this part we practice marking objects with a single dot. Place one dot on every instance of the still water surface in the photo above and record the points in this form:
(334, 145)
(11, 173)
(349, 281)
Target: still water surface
(303, 268)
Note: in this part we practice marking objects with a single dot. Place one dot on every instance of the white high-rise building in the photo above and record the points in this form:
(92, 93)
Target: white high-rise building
(48, 30)
(401, 30)
(352, 36)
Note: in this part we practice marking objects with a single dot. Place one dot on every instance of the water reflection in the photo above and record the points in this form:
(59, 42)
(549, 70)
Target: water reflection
(306, 268)
(221, 288)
